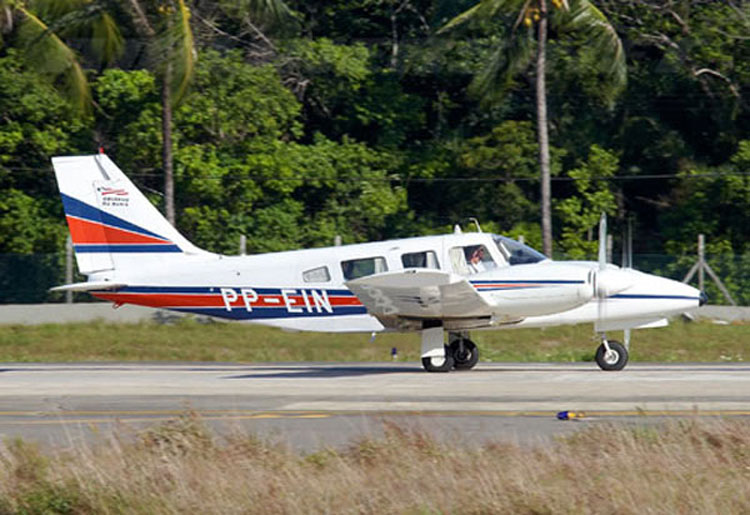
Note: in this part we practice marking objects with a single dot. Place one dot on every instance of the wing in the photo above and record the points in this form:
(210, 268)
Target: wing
(419, 293)
(523, 291)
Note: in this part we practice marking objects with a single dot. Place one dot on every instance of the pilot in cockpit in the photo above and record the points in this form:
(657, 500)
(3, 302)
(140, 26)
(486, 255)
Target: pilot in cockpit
(477, 260)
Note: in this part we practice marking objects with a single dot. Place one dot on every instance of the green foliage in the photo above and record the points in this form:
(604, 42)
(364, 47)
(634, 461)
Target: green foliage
(579, 20)
(24, 226)
(580, 213)
(359, 123)
(345, 93)
(714, 201)
(248, 103)
(36, 123)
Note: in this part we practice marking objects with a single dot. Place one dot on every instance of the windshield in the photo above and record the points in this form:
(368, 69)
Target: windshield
(517, 253)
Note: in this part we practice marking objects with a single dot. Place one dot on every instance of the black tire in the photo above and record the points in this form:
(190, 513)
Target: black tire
(467, 359)
(616, 361)
(444, 364)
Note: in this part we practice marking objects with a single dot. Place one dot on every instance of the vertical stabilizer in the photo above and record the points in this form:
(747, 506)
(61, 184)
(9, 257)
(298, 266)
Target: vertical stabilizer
(112, 224)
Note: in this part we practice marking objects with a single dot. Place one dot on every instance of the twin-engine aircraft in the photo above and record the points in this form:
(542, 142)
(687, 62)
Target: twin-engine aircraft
(451, 283)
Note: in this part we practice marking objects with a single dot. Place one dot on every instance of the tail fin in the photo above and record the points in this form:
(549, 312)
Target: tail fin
(112, 224)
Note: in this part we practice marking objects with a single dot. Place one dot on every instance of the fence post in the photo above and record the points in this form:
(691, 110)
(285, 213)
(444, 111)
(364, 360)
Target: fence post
(701, 261)
(701, 266)
(243, 244)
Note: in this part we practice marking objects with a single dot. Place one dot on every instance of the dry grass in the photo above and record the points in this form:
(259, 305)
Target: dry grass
(693, 466)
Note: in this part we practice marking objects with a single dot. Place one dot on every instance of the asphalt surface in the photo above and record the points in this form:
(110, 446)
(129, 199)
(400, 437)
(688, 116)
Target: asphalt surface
(312, 405)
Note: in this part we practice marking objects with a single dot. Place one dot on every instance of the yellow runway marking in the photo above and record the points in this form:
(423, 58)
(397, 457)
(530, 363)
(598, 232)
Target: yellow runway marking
(139, 416)
(129, 420)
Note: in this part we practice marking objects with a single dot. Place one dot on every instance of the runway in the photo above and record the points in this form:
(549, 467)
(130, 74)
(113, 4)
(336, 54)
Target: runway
(310, 405)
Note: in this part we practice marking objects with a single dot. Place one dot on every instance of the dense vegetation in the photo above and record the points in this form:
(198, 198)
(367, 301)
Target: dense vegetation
(355, 118)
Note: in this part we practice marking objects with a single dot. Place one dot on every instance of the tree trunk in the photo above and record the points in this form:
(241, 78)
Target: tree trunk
(541, 130)
(166, 132)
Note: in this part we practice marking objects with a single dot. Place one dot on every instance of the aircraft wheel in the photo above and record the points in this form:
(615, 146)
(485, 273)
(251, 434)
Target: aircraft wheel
(464, 359)
(439, 364)
(615, 359)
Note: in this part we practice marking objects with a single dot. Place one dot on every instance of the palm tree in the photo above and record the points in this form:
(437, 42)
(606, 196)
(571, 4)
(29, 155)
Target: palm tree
(530, 22)
(165, 27)
(22, 23)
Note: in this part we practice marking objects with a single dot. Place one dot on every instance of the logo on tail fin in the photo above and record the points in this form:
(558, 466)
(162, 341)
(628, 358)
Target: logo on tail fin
(113, 197)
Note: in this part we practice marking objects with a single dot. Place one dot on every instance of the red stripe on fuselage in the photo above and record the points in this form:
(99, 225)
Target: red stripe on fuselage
(88, 232)
(164, 300)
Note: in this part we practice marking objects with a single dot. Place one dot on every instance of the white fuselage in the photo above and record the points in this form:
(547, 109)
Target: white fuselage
(306, 289)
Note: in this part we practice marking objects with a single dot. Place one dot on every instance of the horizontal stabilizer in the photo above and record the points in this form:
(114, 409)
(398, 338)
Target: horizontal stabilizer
(89, 286)
(419, 293)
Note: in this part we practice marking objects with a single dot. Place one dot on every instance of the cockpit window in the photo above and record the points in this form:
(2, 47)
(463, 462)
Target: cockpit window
(471, 259)
(517, 253)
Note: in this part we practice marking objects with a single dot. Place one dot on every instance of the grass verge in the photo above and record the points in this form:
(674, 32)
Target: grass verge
(688, 466)
(189, 340)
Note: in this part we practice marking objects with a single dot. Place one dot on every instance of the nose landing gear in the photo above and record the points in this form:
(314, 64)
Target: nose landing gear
(611, 355)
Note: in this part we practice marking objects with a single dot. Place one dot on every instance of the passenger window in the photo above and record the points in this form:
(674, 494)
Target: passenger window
(426, 259)
(471, 259)
(316, 275)
(361, 267)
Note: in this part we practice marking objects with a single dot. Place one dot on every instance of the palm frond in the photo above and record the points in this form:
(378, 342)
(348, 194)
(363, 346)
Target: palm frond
(108, 43)
(469, 14)
(484, 10)
(54, 9)
(493, 82)
(585, 19)
(262, 12)
(50, 56)
(175, 47)
(89, 21)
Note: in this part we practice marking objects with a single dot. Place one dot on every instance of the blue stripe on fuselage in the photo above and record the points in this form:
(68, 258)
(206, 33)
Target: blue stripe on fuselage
(261, 313)
(127, 247)
(214, 290)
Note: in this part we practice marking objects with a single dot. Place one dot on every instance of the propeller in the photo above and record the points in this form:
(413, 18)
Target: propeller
(607, 280)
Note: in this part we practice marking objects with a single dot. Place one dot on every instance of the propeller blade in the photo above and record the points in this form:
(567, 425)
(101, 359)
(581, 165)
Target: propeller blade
(603, 241)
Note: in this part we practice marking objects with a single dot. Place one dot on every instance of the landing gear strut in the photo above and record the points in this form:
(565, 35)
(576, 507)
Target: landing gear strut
(611, 355)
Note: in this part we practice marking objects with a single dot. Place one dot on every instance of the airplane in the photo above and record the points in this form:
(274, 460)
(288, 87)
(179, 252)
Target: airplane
(450, 283)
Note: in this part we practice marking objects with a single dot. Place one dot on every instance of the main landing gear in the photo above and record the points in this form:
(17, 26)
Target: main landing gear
(460, 354)
(611, 355)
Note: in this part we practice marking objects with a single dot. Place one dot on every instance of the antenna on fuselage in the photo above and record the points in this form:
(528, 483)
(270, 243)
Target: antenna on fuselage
(476, 222)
